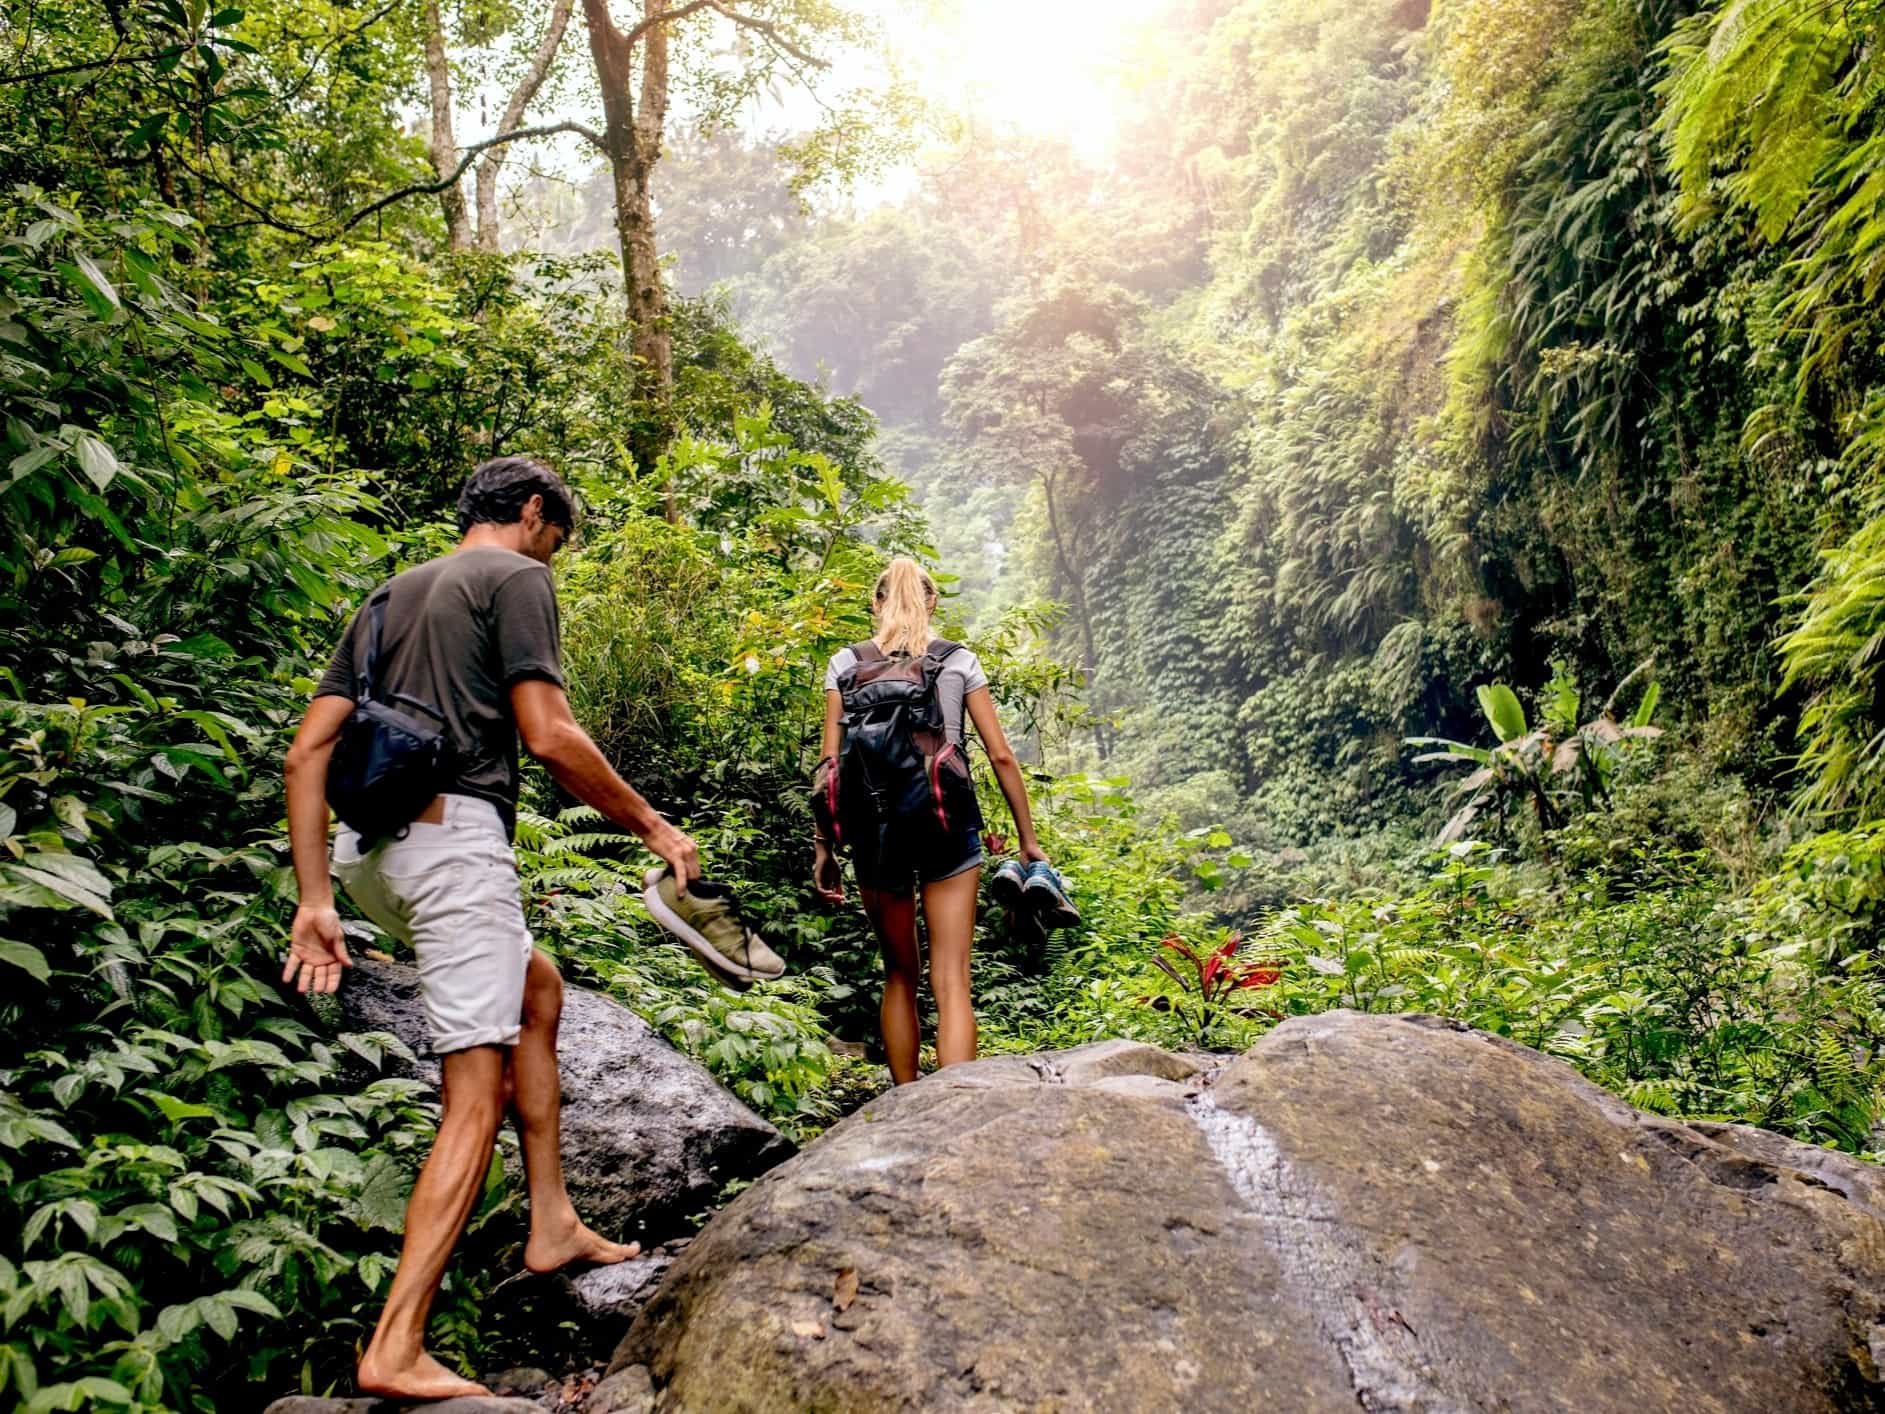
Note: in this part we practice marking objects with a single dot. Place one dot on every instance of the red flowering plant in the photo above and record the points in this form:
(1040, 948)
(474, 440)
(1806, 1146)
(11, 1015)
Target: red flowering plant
(1214, 986)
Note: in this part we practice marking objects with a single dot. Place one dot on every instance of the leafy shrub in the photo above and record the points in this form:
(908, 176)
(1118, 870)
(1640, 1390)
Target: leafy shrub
(1555, 768)
(1669, 997)
(1206, 1001)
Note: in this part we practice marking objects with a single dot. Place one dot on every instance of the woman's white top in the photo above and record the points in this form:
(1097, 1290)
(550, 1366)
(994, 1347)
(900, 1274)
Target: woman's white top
(961, 674)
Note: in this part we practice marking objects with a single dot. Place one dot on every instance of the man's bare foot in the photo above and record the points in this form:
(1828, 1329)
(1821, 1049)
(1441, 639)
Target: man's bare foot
(546, 1252)
(424, 1378)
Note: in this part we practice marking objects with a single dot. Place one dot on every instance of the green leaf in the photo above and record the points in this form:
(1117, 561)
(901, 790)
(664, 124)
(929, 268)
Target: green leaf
(95, 278)
(96, 460)
(57, 887)
(26, 463)
(1502, 709)
(141, 137)
(174, 1323)
(381, 1201)
(27, 958)
(1647, 707)
(245, 1300)
(176, 1111)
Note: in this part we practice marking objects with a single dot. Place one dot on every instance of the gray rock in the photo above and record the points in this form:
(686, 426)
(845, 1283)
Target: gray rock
(1391, 1213)
(649, 1137)
(611, 1297)
(579, 1315)
(524, 1380)
(629, 1390)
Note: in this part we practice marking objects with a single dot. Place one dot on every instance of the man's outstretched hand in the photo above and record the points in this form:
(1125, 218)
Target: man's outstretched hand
(317, 950)
(666, 842)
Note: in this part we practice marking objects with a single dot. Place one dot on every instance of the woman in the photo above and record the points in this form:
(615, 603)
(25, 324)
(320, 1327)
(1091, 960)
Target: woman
(922, 848)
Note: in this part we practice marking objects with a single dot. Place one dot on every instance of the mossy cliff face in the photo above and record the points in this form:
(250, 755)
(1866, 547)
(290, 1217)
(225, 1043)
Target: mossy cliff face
(1394, 1212)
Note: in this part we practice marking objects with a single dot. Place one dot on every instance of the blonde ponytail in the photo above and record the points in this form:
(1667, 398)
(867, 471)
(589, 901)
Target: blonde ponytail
(903, 600)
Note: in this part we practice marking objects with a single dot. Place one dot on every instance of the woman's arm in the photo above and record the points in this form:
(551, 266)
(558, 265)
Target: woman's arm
(827, 874)
(1001, 756)
(834, 724)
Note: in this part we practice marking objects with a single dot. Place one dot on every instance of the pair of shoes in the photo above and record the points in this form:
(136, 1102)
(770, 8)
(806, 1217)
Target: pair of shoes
(704, 918)
(1038, 887)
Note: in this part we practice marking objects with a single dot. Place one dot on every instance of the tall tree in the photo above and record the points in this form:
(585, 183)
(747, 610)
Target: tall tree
(1050, 396)
(771, 39)
(536, 69)
(443, 149)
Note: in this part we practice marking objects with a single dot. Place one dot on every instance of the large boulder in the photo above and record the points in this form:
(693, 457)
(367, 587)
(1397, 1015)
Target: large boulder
(650, 1139)
(1376, 1212)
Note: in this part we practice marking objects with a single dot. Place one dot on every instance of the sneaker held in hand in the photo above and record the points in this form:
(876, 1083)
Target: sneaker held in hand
(705, 919)
(1047, 896)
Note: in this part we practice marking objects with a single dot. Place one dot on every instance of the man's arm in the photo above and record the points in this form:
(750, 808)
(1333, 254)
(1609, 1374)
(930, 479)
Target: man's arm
(317, 948)
(556, 739)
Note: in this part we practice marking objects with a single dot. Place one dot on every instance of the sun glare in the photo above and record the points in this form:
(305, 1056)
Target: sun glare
(1045, 66)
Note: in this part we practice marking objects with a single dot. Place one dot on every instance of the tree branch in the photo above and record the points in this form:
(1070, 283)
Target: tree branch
(521, 96)
(294, 89)
(770, 31)
(105, 63)
(680, 12)
(467, 156)
(539, 67)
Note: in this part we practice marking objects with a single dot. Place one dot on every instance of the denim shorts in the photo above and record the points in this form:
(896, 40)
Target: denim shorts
(450, 891)
(899, 866)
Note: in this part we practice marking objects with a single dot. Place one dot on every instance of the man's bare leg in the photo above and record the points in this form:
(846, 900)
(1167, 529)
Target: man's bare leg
(395, 1362)
(557, 1235)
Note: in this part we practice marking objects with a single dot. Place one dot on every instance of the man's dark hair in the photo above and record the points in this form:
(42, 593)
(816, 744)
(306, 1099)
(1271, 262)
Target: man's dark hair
(495, 492)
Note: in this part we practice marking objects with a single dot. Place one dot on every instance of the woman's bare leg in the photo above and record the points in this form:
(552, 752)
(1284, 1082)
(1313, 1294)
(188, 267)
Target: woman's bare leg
(949, 908)
(894, 918)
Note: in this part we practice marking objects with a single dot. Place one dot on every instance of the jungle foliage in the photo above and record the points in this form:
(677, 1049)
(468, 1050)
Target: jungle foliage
(1408, 372)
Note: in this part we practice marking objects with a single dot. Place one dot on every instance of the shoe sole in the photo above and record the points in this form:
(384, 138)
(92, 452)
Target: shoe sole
(710, 957)
(1050, 905)
(1005, 890)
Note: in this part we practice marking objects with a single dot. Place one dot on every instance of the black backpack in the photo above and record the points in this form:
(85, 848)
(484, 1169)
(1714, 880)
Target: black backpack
(387, 765)
(898, 772)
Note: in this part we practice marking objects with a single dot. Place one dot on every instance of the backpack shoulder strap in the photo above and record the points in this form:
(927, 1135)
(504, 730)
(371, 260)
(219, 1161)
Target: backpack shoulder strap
(867, 651)
(376, 627)
(941, 648)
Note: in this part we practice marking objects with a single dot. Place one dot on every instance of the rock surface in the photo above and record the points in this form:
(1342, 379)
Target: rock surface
(580, 1316)
(649, 1137)
(1361, 1212)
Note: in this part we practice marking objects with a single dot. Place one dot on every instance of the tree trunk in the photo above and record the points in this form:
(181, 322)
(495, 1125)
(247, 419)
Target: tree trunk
(1077, 583)
(526, 90)
(632, 138)
(444, 145)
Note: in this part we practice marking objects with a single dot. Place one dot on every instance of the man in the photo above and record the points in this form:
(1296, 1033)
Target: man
(475, 635)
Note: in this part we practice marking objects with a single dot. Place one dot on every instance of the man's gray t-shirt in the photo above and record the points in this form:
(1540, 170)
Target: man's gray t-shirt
(460, 631)
(961, 674)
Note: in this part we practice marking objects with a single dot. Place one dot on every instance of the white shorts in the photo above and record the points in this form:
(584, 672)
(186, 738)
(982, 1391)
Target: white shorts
(450, 890)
